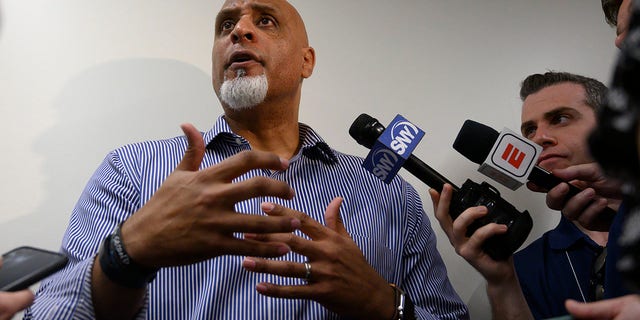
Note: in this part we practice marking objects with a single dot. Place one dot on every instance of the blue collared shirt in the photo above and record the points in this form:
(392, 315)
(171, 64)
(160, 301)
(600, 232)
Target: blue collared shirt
(386, 221)
(556, 267)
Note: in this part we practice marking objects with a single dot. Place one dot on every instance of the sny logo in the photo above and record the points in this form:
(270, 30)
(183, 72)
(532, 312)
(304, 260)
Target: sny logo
(402, 135)
(392, 148)
(383, 161)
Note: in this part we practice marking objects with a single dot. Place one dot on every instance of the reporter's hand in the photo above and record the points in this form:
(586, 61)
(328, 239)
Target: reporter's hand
(191, 217)
(587, 207)
(12, 302)
(503, 288)
(470, 248)
(341, 278)
(622, 308)
(591, 175)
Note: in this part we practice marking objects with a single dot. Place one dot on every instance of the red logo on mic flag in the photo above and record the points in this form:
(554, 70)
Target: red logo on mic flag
(513, 156)
(511, 159)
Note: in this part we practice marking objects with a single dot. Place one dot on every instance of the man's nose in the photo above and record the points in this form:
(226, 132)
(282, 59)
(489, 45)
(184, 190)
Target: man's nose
(544, 138)
(244, 30)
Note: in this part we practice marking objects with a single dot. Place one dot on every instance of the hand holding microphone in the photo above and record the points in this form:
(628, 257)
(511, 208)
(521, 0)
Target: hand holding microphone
(391, 149)
(502, 156)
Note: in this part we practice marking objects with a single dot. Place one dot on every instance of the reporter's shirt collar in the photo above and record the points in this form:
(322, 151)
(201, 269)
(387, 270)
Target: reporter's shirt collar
(567, 235)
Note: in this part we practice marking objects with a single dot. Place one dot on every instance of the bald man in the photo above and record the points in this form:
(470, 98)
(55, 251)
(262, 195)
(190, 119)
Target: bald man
(257, 218)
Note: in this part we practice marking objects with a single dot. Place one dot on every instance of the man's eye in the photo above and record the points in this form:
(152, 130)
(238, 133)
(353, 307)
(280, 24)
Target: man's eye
(227, 25)
(561, 118)
(528, 132)
(265, 21)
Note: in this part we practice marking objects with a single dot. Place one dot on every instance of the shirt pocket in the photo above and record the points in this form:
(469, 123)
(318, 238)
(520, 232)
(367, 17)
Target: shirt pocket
(379, 255)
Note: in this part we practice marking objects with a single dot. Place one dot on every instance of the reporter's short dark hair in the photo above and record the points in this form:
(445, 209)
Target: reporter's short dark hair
(594, 89)
(610, 9)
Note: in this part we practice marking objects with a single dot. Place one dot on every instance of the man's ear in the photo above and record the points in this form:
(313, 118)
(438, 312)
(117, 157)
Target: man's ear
(309, 56)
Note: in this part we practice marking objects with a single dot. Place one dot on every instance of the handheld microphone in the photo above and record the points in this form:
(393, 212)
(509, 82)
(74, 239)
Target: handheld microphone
(368, 132)
(482, 144)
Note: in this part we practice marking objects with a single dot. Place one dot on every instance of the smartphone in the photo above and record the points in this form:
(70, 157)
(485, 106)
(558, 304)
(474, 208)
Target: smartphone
(24, 266)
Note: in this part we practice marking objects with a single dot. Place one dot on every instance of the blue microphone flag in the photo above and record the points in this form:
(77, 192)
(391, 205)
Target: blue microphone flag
(392, 148)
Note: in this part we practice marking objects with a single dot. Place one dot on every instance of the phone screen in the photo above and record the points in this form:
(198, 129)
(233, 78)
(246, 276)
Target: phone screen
(24, 266)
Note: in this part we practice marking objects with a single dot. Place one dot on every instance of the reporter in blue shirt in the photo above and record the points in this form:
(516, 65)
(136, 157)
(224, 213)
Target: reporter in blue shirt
(503, 288)
(558, 113)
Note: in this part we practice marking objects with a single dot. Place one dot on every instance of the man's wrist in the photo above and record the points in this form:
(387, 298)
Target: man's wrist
(118, 266)
(404, 308)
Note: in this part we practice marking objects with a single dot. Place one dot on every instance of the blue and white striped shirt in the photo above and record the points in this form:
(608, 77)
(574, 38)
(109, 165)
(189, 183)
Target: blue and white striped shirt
(386, 221)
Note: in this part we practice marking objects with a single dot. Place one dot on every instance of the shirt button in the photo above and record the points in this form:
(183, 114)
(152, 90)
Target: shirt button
(238, 141)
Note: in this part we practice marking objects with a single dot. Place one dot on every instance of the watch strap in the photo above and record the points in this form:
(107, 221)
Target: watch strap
(118, 266)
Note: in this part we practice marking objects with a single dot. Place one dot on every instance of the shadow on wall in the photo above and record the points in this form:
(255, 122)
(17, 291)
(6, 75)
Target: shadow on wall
(109, 105)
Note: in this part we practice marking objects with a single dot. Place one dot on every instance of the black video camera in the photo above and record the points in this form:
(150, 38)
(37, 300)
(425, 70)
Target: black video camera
(502, 246)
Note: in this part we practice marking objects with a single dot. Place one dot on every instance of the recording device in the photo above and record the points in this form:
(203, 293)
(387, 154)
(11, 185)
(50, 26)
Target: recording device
(489, 148)
(368, 132)
(24, 266)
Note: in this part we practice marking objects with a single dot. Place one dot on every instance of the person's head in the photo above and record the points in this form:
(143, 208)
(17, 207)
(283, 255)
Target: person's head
(617, 14)
(615, 143)
(558, 113)
(260, 55)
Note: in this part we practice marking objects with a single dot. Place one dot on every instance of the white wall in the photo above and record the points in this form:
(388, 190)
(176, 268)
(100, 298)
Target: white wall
(80, 78)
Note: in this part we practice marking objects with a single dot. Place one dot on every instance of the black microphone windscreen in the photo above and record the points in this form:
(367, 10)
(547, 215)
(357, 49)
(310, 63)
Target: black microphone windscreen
(366, 129)
(475, 140)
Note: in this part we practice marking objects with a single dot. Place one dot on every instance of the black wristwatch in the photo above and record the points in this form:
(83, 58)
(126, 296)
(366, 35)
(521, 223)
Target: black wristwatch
(404, 308)
(119, 267)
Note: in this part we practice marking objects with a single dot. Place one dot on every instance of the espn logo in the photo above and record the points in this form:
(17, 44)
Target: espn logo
(515, 155)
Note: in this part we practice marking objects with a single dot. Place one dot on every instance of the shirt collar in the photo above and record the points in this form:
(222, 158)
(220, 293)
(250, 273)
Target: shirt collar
(567, 234)
(312, 145)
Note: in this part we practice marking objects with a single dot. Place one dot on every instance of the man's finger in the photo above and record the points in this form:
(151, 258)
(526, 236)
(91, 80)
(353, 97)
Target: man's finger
(310, 227)
(242, 247)
(480, 236)
(195, 150)
(241, 163)
(441, 203)
(466, 218)
(557, 196)
(287, 292)
(587, 171)
(280, 268)
(605, 309)
(255, 187)
(332, 217)
(257, 224)
(12, 302)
